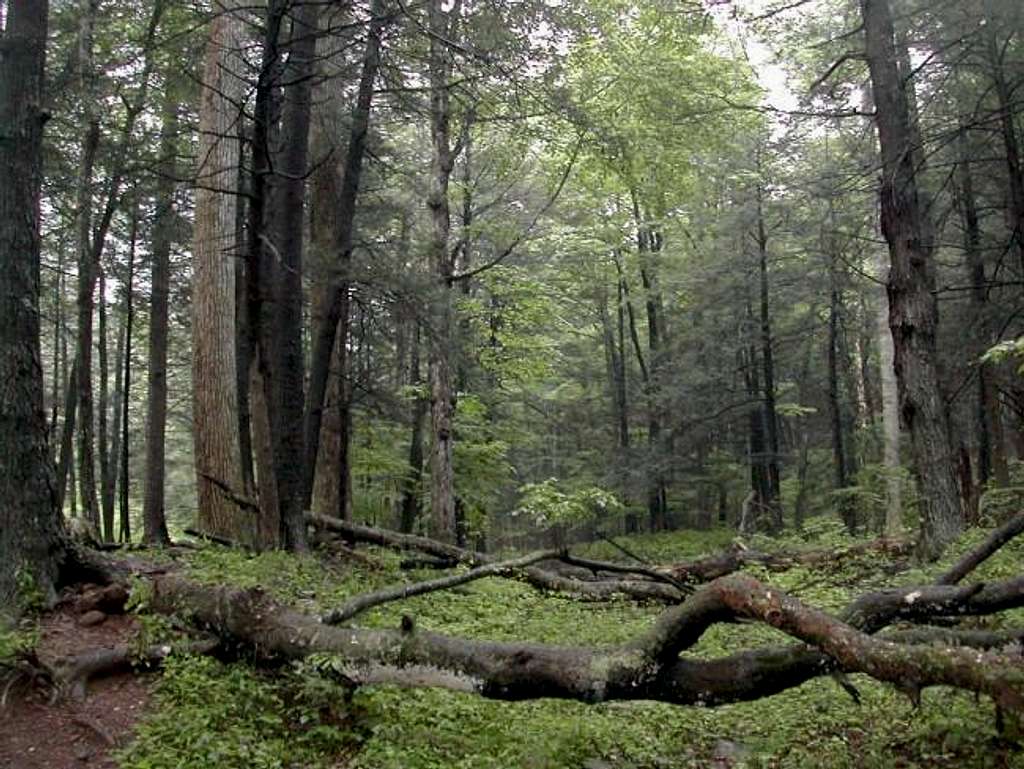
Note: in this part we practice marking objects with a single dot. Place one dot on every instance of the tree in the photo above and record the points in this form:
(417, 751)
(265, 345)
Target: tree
(913, 313)
(442, 26)
(31, 545)
(223, 508)
(153, 511)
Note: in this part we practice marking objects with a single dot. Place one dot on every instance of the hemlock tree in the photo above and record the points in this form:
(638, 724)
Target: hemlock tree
(31, 546)
(913, 312)
(215, 387)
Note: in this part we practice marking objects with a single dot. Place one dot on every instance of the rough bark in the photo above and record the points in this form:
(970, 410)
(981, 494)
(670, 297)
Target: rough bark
(215, 395)
(30, 529)
(441, 24)
(647, 667)
(913, 312)
(87, 270)
(334, 210)
(288, 348)
(154, 519)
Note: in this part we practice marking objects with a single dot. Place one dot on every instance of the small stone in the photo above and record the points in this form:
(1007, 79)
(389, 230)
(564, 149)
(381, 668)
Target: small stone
(91, 618)
(728, 754)
(83, 754)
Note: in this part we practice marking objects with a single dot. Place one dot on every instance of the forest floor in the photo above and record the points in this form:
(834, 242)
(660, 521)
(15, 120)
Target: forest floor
(228, 713)
(43, 732)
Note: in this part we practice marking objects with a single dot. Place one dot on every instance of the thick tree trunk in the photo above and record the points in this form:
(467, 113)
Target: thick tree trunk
(288, 351)
(334, 210)
(442, 395)
(30, 527)
(154, 519)
(913, 312)
(215, 395)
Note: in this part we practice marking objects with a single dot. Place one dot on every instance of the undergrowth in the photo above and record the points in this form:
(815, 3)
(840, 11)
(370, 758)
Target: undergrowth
(210, 714)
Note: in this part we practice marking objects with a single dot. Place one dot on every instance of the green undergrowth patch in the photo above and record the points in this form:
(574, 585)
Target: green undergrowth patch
(255, 719)
(232, 717)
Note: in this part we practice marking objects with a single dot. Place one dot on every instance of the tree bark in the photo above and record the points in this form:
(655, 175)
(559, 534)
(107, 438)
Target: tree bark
(647, 667)
(154, 518)
(442, 396)
(31, 544)
(288, 349)
(913, 313)
(88, 268)
(334, 210)
(215, 395)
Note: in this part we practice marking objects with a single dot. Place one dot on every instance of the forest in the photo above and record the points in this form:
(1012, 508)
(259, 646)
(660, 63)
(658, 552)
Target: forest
(607, 384)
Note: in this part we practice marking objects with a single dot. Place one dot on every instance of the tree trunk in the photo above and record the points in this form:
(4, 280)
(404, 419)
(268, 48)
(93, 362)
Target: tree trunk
(649, 244)
(771, 418)
(334, 209)
(30, 527)
(839, 462)
(87, 268)
(122, 457)
(1011, 147)
(154, 518)
(103, 437)
(913, 313)
(215, 395)
(287, 350)
(412, 485)
(442, 25)
(988, 420)
(893, 525)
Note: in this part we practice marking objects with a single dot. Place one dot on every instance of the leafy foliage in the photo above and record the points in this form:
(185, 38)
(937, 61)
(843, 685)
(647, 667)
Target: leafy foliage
(208, 712)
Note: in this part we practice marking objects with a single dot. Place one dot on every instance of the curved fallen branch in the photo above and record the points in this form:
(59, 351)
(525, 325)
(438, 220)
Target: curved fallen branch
(361, 603)
(982, 552)
(663, 591)
(648, 667)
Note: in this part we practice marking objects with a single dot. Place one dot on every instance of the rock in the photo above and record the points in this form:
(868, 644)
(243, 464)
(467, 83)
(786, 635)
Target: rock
(91, 618)
(110, 599)
(728, 753)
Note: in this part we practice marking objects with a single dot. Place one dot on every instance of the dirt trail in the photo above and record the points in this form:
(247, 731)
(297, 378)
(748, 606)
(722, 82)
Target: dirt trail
(35, 734)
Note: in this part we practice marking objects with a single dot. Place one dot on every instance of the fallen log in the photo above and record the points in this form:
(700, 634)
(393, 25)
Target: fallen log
(650, 667)
(361, 603)
(644, 590)
(973, 559)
